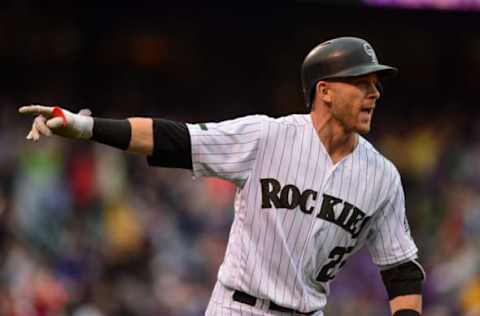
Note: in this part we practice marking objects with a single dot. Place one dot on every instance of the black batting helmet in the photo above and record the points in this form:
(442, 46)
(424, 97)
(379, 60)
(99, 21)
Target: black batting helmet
(339, 58)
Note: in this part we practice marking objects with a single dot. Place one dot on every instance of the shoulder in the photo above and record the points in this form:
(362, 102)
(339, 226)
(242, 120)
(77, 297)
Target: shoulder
(380, 162)
(291, 120)
(230, 125)
(258, 124)
(247, 119)
(286, 127)
(298, 120)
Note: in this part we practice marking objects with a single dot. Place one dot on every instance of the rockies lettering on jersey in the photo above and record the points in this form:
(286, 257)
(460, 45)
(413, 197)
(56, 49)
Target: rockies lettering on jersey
(298, 216)
(350, 218)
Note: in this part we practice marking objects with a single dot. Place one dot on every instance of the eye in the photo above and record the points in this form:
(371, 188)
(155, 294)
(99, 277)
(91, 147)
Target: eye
(362, 84)
(366, 85)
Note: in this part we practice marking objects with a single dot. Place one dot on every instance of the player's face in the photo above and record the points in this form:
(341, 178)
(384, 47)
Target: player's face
(353, 101)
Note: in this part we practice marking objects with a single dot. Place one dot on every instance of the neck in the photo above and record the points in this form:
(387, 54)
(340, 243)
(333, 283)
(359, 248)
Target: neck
(337, 140)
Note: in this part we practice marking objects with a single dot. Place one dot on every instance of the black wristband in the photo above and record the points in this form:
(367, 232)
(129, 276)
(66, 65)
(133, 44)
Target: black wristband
(116, 133)
(406, 312)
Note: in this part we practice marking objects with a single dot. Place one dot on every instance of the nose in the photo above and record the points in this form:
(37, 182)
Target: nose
(375, 90)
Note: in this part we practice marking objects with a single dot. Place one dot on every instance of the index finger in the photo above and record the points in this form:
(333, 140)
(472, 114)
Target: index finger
(36, 109)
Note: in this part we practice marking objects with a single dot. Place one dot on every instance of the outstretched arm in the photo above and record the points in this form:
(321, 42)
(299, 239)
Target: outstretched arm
(133, 134)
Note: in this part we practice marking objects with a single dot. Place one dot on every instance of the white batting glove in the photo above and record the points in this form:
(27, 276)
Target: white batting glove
(55, 120)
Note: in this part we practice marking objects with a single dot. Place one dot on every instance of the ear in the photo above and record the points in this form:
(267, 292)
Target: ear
(323, 92)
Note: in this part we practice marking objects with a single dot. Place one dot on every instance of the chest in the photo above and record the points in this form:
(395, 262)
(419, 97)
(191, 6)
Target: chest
(308, 181)
(345, 195)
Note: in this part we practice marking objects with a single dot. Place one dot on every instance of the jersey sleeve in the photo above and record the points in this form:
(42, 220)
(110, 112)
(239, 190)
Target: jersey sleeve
(227, 149)
(390, 240)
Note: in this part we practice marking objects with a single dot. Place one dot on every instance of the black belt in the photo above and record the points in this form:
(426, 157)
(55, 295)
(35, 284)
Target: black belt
(251, 300)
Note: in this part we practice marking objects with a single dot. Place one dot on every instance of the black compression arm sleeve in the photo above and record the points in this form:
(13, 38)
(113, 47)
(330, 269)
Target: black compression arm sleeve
(404, 279)
(116, 133)
(171, 145)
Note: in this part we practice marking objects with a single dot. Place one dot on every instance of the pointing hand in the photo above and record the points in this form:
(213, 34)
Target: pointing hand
(55, 120)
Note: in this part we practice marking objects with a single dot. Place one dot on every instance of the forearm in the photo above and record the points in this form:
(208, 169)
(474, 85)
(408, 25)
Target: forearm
(167, 143)
(406, 302)
(133, 134)
(142, 136)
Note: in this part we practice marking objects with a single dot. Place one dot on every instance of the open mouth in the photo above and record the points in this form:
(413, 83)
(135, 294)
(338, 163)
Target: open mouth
(367, 110)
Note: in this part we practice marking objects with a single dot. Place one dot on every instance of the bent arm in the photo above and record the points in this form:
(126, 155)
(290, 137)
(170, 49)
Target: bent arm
(403, 283)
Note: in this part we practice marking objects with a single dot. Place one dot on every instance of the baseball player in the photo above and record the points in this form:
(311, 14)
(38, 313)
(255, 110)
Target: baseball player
(310, 190)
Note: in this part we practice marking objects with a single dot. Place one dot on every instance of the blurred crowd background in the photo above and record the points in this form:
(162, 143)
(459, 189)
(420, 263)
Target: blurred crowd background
(87, 230)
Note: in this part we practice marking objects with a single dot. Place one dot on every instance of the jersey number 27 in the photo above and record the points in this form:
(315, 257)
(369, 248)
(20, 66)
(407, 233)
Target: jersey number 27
(337, 261)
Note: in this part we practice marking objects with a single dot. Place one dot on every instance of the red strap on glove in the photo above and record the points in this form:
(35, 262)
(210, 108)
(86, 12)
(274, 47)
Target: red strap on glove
(58, 112)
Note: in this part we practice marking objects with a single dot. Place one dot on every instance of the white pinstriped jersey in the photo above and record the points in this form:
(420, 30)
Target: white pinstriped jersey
(298, 217)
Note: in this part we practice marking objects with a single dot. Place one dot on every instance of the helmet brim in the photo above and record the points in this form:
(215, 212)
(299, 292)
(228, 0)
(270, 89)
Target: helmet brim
(383, 71)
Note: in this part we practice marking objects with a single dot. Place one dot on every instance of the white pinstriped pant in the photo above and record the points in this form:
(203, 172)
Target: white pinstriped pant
(222, 304)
